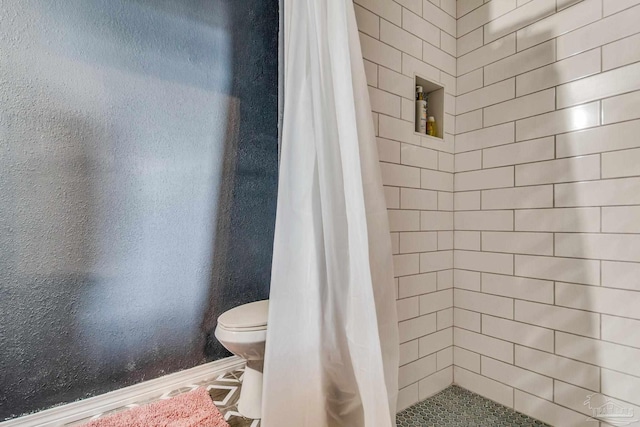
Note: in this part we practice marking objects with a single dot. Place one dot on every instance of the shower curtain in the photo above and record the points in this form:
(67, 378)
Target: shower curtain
(332, 340)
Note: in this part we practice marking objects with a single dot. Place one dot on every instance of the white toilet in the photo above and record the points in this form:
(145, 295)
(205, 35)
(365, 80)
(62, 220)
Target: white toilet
(243, 331)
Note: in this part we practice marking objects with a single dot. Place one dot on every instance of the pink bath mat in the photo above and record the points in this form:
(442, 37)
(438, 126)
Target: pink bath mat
(192, 409)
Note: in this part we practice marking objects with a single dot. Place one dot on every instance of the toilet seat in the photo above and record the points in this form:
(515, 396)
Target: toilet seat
(246, 318)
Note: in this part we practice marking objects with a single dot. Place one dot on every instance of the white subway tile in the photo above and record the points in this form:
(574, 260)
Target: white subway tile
(413, 155)
(418, 327)
(421, 28)
(445, 279)
(466, 319)
(449, 6)
(621, 331)
(562, 319)
(468, 161)
(445, 162)
(539, 196)
(439, 58)
(448, 44)
(464, 7)
(444, 318)
(380, 53)
(411, 198)
(571, 371)
(438, 17)
(521, 62)
(398, 130)
(416, 285)
(599, 33)
(484, 386)
(436, 301)
(395, 243)
(615, 247)
(435, 342)
(619, 108)
(623, 191)
(483, 179)
(573, 397)
(483, 344)
(569, 219)
(621, 386)
(470, 41)
(569, 119)
(392, 197)
(487, 54)
(483, 15)
(621, 53)
(466, 359)
(388, 10)
(434, 221)
(435, 261)
(411, 66)
(567, 70)
(562, 170)
(548, 412)
(600, 139)
(610, 7)
(488, 95)
(398, 175)
(384, 102)
(470, 81)
(556, 268)
(519, 108)
(621, 275)
(518, 287)
(407, 396)
(520, 243)
(371, 71)
(435, 383)
(467, 201)
(396, 83)
(469, 121)
(404, 265)
(368, 22)
(408, 352)
(469, 280)
(621, 219)
(518, 18)
(485, 138)
(445, 240)
(517, 377)
(403, 220)
(518, 333)
(603, 85)
(407, 308)
(553, 26)
(619, 302)
(418, 241)
(449, 82)
(400, 39)
(445, 201)
(468, 240)
(484, 220)
(601, 353)
(484, 303)
(416, 370)
(436, 180)
(520, 152)
(388, 150)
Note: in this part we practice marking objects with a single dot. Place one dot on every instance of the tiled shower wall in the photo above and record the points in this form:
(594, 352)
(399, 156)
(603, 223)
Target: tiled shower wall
(400, 39)
(547, 188)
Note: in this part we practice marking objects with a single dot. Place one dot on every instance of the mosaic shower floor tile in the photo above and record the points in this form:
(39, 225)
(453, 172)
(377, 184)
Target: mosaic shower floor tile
(457, 407)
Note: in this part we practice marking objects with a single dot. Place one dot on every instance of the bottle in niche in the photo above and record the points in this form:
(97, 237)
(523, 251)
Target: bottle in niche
(421, 110)
(432, 128)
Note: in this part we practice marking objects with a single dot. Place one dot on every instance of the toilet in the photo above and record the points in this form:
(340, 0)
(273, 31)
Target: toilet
(243, 331)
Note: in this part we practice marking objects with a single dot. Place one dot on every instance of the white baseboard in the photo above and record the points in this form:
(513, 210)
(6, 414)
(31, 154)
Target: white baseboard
(81, 409)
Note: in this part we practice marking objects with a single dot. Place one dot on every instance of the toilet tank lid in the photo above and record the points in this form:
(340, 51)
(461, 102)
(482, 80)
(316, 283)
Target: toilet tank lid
(250, 315)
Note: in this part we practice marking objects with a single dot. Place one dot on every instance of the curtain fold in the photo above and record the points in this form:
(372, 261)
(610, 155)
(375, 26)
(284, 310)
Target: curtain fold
(332, 340)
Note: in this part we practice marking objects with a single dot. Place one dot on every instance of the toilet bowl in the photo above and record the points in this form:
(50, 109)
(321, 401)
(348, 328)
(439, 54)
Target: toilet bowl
(243, 331)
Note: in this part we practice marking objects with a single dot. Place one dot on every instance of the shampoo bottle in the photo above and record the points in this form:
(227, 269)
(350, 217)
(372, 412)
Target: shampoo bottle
(421, 111)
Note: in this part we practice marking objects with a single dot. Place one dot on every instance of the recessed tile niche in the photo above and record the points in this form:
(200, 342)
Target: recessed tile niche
(435, 104)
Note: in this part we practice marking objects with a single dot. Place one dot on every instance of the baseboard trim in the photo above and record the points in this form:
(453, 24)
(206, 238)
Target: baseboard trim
(85, 408)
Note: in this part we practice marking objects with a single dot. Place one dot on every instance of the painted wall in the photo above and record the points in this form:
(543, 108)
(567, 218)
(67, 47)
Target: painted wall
(547, 189)
(400, 39)
(138, 162)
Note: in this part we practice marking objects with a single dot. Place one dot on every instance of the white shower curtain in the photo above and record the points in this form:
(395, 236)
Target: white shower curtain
(332, 339)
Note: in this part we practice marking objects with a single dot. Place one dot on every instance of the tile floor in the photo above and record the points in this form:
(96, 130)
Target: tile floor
(453, 406)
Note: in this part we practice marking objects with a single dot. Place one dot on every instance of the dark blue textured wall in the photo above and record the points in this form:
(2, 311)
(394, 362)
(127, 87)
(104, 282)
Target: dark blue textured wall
(138, 173)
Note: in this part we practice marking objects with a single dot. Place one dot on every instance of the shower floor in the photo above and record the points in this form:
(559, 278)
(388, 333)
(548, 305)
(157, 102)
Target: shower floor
(455, 406)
